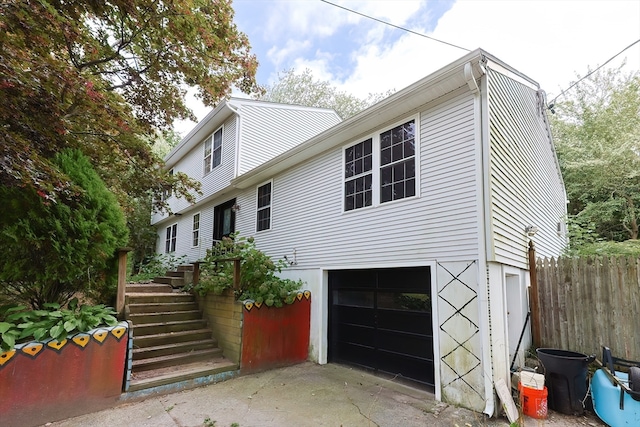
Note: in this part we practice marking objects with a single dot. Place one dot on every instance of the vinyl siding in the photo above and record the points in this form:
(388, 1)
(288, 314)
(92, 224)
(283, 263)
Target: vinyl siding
(440, 224)
(525, 185)
(268, 130)
(185, 228)
(192, 165)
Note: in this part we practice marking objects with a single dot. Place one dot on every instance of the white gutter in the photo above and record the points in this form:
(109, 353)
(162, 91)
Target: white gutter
(236, 166)
(482, 156)
(401, 103)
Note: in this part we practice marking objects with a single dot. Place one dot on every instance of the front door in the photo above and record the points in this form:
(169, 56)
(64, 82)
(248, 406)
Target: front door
(224, 220)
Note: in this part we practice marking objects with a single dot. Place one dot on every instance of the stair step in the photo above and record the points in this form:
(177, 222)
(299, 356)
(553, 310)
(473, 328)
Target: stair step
(136, 288)
(152, 340)
(149, 298)
(162, 307)
(176, 374)
(175, 274)
(173, 348)
(182, 268)
(164, 316)
(166, 327)
(176, 359)
(175, 282)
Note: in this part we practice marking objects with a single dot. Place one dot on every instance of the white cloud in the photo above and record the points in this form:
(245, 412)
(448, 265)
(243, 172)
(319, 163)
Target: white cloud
(280, 55)
(549, 41)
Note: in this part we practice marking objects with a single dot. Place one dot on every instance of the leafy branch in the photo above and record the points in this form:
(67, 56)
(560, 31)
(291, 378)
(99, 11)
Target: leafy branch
(258, 273)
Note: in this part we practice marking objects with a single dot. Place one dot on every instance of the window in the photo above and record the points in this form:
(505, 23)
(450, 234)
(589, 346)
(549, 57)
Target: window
(397, 163)
(170, 242)
(264, 207)
(358, 164)
(195, 231)
(213, 151)
(382, 168)
(167, 193)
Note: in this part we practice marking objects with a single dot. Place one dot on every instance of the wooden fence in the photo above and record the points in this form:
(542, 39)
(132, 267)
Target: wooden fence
(585, 303)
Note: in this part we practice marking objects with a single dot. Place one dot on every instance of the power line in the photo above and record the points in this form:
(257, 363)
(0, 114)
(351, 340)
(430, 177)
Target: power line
(395, 26)
(553, 101)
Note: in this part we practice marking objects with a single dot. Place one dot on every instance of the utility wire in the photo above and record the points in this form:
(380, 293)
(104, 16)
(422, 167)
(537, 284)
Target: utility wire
(395, 26)
(553, 101)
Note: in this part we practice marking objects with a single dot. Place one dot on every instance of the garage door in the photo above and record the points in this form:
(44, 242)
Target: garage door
(381, 320)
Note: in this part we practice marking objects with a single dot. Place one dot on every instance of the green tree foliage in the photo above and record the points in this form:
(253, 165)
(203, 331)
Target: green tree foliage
(597, 135)
(98, 75)
(303, 89)
(52, 250)
(142, 235)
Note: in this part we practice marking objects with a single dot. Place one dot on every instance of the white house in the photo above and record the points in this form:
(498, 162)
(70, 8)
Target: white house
(407, 221)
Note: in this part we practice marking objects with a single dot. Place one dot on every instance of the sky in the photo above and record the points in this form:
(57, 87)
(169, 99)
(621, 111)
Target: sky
(550, 41)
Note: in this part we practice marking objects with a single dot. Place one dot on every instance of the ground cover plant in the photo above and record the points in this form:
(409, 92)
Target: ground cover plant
(52, 322)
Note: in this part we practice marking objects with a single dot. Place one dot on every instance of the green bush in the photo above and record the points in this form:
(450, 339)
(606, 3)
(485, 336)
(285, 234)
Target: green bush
(55, 248)
(630, 248)
(258, 280)
(52, 322)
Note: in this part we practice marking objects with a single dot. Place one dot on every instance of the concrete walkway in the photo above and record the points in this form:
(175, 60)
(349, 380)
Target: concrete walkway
(302, 395)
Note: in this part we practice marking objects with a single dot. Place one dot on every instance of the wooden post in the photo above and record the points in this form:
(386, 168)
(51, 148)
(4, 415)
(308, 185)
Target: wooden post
(122, 280)
(196, 272)
(236, 274)
(533, 297)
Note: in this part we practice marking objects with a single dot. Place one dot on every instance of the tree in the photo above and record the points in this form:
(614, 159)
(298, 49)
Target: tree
(303, 89)
(597, 137)
(142, 235)
(99, 75)
(53, 250)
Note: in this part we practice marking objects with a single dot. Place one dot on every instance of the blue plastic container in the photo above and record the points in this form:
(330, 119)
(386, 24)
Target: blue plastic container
(606, 401)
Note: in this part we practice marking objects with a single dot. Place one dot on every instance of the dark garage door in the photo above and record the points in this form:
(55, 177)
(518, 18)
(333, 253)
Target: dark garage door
(381, 320)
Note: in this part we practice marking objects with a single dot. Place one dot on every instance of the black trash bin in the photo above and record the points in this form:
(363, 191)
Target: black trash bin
(565, 374)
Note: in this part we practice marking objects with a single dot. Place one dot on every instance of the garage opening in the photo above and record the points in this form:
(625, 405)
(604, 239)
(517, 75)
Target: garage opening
(380, 319)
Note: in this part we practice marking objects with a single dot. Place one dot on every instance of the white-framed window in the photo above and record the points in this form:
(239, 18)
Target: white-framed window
(195, 230)
(212, 151)
(263, 221)
(397, 162)
(381, 168)
(167, 193)
(358, 166)
(170, 241)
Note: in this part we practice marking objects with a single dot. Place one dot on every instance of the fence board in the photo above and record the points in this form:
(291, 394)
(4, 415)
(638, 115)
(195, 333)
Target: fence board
(585, 303)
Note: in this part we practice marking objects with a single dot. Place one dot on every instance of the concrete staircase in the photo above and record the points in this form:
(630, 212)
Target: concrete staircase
(171, 341)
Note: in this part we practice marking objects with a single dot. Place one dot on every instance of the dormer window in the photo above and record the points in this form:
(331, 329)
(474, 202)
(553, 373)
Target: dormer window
(213, 151)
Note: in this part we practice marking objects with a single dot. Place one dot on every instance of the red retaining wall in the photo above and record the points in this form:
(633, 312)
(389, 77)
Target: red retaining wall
(43, 382)
(273, 337)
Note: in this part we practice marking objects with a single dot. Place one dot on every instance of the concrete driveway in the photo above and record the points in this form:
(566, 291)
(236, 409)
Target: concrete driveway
(302, 395)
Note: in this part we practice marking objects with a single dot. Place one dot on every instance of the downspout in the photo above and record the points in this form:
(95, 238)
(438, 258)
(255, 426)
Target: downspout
(481, 143)
(236, 160)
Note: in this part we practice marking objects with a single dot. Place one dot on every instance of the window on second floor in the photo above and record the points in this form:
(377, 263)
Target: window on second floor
(195, 231)
(358, 164)
(167, 193)
(170, 241)
(382, 168)
(213, 151)
(397, 162)
(264, 207)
